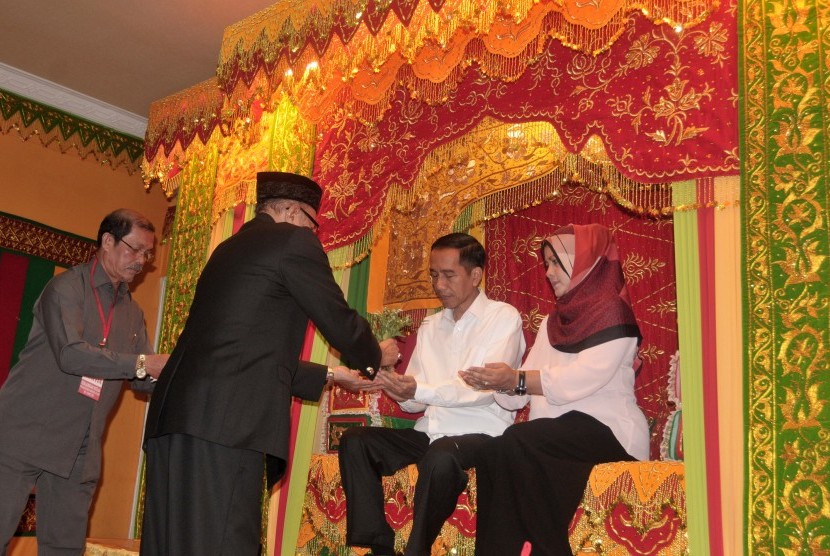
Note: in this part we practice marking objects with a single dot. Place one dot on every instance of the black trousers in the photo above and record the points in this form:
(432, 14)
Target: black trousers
(531, 479)
(201, 498)
(368, 453)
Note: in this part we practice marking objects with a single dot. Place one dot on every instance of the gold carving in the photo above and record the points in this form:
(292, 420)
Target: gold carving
(491, 158)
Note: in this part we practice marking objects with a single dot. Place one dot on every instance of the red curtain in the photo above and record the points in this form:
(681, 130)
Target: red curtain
(662, 101)
(515, 275)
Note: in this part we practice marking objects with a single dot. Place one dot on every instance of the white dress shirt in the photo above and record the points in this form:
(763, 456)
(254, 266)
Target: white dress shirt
(598, 381)
(488, 332)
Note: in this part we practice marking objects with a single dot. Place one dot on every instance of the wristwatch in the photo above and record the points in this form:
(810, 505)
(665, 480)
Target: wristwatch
(521, 387)
(330, 376)
(141, 367)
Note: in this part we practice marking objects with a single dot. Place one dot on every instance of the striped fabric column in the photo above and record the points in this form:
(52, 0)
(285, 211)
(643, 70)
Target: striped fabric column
(730, 380)
(707, 252)
(687, 262)
(709, 350)
(287, 500)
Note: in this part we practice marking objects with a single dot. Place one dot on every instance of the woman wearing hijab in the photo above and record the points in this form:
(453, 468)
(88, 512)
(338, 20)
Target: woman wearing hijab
(579, 377)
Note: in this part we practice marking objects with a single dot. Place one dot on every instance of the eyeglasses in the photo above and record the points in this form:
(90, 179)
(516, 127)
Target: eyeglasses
(148, 254)
(311, 218)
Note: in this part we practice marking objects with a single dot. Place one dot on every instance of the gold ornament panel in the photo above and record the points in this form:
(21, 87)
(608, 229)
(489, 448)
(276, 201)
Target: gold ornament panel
(491, 158)
(786, 115)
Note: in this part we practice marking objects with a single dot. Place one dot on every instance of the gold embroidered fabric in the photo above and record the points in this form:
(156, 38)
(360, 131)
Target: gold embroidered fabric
(633, 508)
(492, 157)
(38, 240)
(350, 38)
(175, 121)
(785, 115)
(101, 547)
(627, 508)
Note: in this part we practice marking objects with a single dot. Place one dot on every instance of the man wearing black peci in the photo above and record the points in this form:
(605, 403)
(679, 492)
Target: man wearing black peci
(221, 408)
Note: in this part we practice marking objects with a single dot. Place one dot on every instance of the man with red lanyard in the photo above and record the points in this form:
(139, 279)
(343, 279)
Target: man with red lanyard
(87, 337)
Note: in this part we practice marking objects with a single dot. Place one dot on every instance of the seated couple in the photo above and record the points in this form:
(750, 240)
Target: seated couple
(578, 378)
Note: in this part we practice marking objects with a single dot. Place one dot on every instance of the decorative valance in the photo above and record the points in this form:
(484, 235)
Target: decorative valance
(352, 40)
(177, 120)
(661, 102)
(67, 133)
(358, 57)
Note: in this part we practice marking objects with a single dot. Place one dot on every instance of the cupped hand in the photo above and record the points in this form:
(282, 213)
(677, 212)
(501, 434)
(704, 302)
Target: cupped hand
(398, 387)
(492, 376)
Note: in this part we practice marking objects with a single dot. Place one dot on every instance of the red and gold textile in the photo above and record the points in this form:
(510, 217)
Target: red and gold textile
(627, 508)
(661, 101)
(632, 508)
(175, 121)
(38, 240)
(342, 51)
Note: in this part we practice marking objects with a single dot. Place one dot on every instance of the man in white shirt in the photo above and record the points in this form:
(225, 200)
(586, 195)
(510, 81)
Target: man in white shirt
(470, 331)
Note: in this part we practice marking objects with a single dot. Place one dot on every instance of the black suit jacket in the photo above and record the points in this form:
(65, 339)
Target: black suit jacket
(236, 364)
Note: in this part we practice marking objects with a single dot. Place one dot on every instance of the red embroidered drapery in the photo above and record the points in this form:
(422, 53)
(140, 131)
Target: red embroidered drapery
(662, 102)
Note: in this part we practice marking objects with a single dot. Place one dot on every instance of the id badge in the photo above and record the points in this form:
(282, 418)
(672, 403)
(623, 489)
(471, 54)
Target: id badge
(91, 387)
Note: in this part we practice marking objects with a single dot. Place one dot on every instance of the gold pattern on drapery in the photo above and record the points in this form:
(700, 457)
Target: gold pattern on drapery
(497, 169)
(492, 157)
(272, 51)
(784, 170)
(282, 141)
(243, 153)
(38, 240)
(189, 115)
(633, 508)
(627, 508)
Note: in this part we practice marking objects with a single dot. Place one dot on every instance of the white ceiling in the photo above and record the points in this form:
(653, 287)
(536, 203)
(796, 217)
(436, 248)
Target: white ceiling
(121, 53)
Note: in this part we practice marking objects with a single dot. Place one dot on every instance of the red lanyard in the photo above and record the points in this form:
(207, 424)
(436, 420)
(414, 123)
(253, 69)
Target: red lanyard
(105, 323)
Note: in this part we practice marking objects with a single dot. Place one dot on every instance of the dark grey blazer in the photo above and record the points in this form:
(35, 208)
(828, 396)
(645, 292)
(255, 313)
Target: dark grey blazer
(44, 421)
(236, 364)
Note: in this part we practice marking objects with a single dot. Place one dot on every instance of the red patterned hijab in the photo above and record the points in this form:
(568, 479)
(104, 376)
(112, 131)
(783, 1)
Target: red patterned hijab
(596, 307)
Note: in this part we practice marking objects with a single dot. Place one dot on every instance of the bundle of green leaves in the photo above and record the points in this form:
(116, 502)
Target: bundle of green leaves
(389, 323)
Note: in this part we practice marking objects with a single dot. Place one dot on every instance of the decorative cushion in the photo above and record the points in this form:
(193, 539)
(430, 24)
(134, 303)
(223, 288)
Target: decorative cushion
(627, 508)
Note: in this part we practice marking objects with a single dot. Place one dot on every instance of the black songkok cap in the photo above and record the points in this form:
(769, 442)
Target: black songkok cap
(284, 185)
